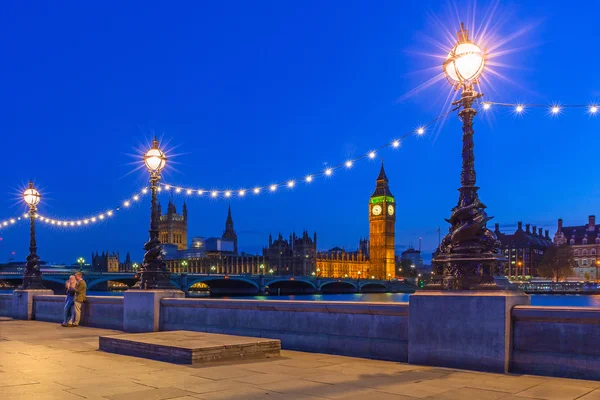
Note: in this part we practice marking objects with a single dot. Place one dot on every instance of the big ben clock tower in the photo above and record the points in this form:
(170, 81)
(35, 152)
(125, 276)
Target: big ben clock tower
(382, 222)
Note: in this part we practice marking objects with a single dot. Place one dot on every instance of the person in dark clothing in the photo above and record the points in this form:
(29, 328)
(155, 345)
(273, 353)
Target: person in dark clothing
(70, 300)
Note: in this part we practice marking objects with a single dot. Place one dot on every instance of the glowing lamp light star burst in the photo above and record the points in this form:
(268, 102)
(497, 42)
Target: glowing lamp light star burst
(465, 62)
(31, 196)
(155, 159)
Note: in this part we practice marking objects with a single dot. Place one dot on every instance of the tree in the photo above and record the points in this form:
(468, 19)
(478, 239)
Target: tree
(586, 276)
(557, 263)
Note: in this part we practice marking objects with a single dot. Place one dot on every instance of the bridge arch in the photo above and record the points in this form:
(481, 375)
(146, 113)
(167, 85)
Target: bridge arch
(129, 280)
(208, 279)
(338, 286)
(291, 285)
(374, 287)
(269, 282)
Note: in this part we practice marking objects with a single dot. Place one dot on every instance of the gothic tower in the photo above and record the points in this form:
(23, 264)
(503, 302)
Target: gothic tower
(382, 222)
(173, 227)
(229, 232)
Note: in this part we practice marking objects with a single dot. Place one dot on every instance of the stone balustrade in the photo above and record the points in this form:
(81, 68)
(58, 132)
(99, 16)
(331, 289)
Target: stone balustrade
(370, 330)
(98, 311)
(556, 341)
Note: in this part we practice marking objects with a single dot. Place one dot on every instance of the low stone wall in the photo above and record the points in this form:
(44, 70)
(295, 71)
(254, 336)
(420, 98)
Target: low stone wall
(98, 311)
(370, 330)
(556, 341)
(6, 305)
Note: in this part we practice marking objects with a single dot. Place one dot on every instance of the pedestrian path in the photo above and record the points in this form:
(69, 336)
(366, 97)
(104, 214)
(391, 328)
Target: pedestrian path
(40, 360)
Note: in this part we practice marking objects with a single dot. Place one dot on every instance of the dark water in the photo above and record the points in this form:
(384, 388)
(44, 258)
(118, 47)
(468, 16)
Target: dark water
(566, 300)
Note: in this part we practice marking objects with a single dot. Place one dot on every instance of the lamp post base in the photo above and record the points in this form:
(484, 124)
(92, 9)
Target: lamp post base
(466, 330)
(460, 271)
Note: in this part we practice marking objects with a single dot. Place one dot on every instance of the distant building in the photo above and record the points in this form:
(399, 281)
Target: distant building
(294, 257)
(376, 256)
(173, 227)
(339, 263)
(106, 262)
(110, 262)
(229, 233)
(226, 264)
(585, 241)
(524, 249)
(414, 256)
(200, 246)
(382, 229)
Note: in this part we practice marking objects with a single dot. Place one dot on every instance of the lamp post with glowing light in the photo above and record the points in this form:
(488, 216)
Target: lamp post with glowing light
(153, 272)
(469, 254)
(81, 262)
(32, 277)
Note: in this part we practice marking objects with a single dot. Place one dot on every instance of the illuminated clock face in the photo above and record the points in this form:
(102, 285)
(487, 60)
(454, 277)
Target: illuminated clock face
(391, 210)
(376, 210)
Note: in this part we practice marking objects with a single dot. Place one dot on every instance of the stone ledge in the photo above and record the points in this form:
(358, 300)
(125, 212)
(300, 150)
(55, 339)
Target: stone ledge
(91, 299)
(185, 347)
(335, 307)
(557, 314)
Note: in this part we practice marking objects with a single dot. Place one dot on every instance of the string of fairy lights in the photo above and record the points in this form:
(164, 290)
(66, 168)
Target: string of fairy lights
(396, 143)
(554, 109)
(92, 218)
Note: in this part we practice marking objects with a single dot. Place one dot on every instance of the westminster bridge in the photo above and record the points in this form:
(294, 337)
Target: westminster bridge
(224, 284)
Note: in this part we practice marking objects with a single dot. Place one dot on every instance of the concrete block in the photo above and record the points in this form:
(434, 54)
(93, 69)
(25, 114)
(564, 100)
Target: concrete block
(190, 347)
(466, 330)
(141, 309)
(23, 302)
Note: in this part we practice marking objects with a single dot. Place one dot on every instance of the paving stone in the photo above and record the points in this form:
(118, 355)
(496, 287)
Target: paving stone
(377, 395)
(594, 395)
(508, 384)
(555, 392)
(416, 389)
(469, 393)
(151, 394)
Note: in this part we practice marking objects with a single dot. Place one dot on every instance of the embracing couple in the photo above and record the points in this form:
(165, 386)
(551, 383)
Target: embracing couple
(75, 288)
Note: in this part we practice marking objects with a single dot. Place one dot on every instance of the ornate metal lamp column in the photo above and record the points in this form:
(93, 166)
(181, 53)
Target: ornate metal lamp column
(153, 272)
(32, 277)
(469, 254)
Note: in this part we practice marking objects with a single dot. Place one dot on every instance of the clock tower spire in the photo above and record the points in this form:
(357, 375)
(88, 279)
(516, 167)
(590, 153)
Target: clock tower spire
(382, 227)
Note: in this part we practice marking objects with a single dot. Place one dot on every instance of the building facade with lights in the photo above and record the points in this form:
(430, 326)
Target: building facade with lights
(107, 262)
(524, 249)
(585, 242)
(296, 256)
(173, 227)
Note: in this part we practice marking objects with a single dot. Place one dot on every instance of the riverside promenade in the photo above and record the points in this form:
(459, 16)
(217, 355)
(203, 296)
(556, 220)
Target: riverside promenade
(42, 360)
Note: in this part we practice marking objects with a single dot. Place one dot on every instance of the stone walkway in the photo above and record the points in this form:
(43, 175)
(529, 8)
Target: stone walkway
(40, 360)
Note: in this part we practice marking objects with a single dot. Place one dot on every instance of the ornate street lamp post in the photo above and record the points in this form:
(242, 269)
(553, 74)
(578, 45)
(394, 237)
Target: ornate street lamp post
(153, 272)
(81, 262)
(32, 278)
(469, 254)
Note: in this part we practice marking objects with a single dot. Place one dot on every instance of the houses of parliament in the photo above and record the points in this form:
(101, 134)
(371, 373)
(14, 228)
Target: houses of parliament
(293, 256)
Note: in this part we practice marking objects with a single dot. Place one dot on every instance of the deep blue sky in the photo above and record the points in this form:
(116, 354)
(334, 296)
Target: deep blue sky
(255, 92)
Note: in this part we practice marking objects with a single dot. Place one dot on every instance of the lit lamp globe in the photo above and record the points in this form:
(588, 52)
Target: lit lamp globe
(155, 159)
(465, 62)
(31, 196)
